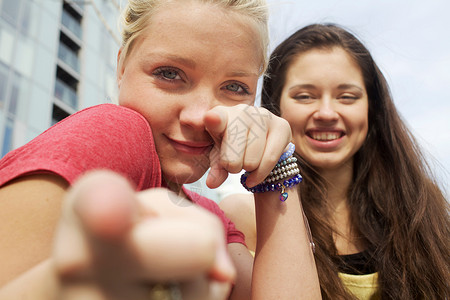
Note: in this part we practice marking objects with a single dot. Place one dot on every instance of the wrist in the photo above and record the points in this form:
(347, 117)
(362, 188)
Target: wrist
(283, 176)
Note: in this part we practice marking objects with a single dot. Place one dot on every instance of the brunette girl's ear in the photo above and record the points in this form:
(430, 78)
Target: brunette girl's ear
(120, 67)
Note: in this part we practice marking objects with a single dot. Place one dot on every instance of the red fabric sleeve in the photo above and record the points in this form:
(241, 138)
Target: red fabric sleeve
(105, 136)
(233, 235)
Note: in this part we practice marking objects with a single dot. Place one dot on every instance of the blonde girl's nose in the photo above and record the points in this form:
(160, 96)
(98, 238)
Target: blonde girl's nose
(194, 108)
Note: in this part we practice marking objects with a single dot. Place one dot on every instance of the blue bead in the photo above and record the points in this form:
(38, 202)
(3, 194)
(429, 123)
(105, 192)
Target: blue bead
(278, 186)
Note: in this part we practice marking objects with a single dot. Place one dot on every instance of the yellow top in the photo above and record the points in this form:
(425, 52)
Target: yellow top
(364, 287)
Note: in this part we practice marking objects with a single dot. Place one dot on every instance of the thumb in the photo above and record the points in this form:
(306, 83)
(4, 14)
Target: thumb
(216, 121)
(217, 174)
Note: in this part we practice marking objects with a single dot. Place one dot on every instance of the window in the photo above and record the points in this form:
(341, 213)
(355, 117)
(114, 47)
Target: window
(3, 83)
(7, 137)
(10, 10)
(6, 44)
(14, 94)
(58, 114)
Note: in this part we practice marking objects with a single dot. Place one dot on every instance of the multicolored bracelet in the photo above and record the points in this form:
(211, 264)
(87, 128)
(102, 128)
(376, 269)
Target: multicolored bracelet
(272, 187)
(280, 172)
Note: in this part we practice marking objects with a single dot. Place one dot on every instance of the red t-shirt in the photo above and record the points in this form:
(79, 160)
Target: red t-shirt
(105, 136)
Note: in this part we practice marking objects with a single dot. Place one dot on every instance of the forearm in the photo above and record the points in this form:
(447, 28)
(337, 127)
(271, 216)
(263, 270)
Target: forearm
(38, 283)
(284, 265)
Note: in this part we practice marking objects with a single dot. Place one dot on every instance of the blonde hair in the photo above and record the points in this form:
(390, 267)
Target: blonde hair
(137, 14)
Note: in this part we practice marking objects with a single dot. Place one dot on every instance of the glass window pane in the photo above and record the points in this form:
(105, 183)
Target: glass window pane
(7, 137)
(18, 97)
(6, 44)
(23, 100)
(71, 24)
(24, 57)
(3, 83)
(39, 109)
(25, 19)
(14, 95)
(48, 33)
(43, 73)
(35, 14)
(10, 10)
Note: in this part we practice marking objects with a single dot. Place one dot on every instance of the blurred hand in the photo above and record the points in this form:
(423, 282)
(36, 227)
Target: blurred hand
(113, 243)
(246, 138)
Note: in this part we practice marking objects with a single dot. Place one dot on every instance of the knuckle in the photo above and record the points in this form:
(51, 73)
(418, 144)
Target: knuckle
(272, 158)
(251, 164)
(232, 166)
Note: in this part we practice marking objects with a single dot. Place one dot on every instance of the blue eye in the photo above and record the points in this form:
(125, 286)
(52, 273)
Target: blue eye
(167, 73)
(237, 88)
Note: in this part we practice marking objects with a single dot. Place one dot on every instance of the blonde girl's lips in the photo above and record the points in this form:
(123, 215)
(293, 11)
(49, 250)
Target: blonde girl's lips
(192, 148)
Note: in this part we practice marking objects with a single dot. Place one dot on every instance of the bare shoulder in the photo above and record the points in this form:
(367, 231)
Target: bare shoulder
(240, 209)
(238, 206)
(30, 208)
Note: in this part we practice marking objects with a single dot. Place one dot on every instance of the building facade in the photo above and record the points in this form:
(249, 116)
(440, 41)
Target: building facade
(56, 57)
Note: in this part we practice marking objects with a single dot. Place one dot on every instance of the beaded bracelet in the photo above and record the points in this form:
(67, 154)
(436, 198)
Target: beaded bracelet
(288, 173)
(272, 187)
(282, 170)
(267, 185)
(288, 153)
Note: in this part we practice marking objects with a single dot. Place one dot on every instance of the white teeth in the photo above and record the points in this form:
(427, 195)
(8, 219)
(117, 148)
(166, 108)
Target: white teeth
(325, 136)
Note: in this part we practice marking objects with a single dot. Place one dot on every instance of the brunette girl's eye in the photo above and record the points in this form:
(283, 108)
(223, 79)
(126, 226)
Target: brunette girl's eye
(300, 97)
(304, 97)
(167, 73)
(348, 98)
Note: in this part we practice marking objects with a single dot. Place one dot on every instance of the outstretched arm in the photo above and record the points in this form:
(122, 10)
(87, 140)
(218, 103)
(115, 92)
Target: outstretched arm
(113, 243)
(29, 212)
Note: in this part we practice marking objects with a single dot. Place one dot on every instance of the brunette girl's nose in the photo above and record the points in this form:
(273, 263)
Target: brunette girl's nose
(326, 111)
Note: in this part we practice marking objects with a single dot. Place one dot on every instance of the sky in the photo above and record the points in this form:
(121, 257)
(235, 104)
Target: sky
(410, 41)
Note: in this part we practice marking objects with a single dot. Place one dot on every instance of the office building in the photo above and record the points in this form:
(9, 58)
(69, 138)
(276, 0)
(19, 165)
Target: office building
(56, 57)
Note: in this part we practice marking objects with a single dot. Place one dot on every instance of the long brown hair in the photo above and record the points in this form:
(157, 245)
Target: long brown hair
(395, 203)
